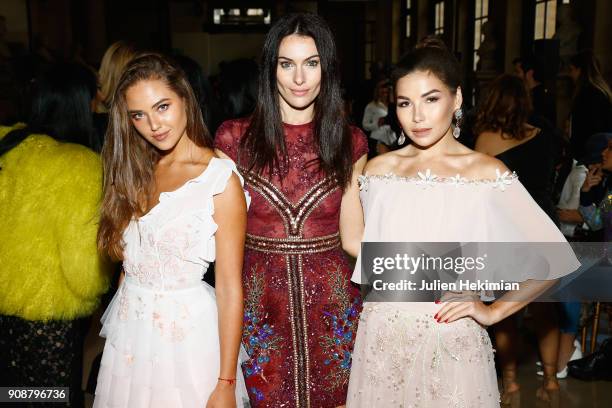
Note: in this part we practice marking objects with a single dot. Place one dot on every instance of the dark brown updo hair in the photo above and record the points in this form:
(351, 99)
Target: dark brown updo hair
(506, 107)
(430, 55)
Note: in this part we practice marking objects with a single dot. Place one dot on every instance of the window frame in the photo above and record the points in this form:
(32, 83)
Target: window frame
(478, 19)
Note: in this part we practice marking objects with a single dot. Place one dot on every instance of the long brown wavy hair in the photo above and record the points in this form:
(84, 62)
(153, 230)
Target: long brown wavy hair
(506, 107)
(129, 160)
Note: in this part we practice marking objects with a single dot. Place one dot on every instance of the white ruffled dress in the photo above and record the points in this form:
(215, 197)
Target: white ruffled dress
(161, 328)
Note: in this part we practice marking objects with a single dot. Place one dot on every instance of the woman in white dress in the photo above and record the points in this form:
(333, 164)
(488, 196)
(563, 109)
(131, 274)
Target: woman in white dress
(432, 354)
(170, 207)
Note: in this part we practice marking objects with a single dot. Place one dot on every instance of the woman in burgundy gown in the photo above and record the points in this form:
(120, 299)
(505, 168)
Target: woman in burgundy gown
(299, 158)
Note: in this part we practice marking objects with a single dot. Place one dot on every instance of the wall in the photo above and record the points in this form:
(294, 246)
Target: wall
(52, 25)
(16, 15)
(602, 46)
(423, 23)
(97, 41)
(514, 25)
(210, 49)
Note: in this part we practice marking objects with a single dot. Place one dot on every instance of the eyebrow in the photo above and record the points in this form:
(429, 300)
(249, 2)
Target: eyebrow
(156, 104)
(429, 93)
(422, 96)
(306, 59)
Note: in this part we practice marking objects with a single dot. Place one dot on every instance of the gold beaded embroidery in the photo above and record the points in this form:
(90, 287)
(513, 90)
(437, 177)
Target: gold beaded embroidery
(293, 247)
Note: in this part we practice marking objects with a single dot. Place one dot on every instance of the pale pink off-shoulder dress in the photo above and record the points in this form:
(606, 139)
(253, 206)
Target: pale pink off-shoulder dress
(402, 356)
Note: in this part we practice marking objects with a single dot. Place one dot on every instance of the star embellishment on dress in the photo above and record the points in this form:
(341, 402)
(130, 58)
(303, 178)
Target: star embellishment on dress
(363, 182)
(455, 399)
(457, 180)
(502, 180)
(428, 179)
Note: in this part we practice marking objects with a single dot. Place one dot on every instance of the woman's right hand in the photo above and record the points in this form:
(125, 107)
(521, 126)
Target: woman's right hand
(593, 178)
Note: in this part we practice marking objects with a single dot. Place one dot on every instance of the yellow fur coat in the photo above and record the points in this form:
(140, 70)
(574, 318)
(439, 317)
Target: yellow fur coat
(49, 198)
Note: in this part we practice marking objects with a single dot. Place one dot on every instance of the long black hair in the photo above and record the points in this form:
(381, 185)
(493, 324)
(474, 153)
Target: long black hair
(60, 108)
(264, 140)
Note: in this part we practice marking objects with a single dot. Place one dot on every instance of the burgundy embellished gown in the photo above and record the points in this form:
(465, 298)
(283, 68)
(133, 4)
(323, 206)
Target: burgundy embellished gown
(301, 310)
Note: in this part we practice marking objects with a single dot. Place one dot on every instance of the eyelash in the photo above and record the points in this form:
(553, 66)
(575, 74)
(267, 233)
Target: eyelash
(431, 99)
(311, 63)
(162, 108)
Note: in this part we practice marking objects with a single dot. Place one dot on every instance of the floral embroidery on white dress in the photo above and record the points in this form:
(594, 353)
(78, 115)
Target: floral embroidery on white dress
(161, 329)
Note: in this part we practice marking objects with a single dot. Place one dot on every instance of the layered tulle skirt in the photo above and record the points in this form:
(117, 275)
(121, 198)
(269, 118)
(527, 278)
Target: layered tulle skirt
(404, 358)
(162, 349)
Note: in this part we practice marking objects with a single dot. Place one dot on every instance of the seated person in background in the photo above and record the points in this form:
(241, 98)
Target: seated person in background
(596, 193)
(374, 115)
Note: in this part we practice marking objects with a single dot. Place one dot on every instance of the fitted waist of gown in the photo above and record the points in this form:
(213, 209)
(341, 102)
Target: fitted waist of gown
(292, 245)
(135, 284)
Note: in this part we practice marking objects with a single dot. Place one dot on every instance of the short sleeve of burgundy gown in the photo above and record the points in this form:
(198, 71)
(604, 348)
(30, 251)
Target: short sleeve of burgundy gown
(360, 143)
(227, 138)
(301, 310)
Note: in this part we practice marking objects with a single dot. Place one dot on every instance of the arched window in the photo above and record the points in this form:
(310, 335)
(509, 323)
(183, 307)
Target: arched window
(481, 15)
(545, 18)
(409, 20)
(439, 18)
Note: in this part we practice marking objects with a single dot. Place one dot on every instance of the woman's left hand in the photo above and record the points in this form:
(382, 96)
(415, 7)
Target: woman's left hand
(223, 396)
(454, 310)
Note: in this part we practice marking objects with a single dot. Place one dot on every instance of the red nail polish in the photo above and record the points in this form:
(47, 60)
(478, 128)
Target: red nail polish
(437, 302)
(446, 321)
(436, 317)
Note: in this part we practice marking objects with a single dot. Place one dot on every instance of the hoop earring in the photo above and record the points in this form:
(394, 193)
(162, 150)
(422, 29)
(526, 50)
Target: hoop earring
(402, 138)
(458, 120)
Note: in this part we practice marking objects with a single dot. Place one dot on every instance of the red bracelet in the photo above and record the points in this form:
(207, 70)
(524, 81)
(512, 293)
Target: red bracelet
(231, 381)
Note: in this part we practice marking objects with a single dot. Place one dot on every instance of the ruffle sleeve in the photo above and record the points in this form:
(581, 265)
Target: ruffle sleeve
(540, 250)
(225, 169)
(498, 218)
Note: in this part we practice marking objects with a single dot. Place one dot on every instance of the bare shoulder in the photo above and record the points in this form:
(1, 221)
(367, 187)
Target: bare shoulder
(483, 166)
(232, 196)
(382, 164)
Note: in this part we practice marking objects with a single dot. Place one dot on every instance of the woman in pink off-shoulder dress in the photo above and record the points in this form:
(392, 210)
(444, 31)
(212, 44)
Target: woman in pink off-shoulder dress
(432, 354)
